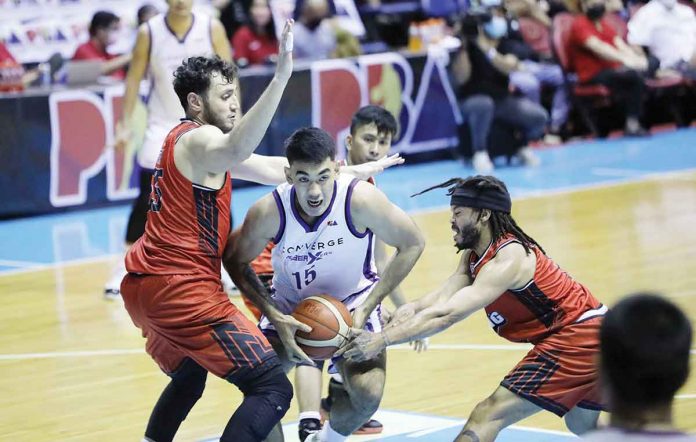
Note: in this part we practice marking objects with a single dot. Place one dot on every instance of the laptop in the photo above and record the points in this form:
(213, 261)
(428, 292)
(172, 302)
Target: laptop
(83, 72)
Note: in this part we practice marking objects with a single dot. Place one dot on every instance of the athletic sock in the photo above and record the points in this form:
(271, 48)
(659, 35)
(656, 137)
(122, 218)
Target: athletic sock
(310, 415)
(328, 434)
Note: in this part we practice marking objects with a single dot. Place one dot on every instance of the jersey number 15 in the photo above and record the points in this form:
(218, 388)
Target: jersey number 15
(309, 276)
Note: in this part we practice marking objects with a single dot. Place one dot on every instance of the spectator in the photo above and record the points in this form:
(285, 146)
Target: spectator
(256, 42)
(103, 31)
(599, 56)
(146, 12)
(232, 14)
(645, 343)
(13, 76)
(482, 76)
(668, 29)
(535, 71)
(314, 34)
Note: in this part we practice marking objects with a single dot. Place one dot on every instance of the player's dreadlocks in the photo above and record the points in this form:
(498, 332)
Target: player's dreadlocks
(487, 192)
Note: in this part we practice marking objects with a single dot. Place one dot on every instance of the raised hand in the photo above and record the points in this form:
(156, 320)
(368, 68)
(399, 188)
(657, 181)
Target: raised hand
(372, 168)
(284, 66)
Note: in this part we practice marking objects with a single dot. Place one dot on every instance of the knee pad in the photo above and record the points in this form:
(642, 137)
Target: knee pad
(190, 379)
(273, 384)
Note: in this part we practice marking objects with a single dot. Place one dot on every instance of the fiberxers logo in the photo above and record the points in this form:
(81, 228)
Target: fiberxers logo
(311, 252)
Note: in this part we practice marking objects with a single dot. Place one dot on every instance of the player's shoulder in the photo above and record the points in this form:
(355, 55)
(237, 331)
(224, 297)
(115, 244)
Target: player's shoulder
(266, 207)
(362, 192)
(510, 255)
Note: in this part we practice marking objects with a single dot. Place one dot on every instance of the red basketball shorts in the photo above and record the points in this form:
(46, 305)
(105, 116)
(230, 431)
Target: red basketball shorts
(560, 372)
(190, 316)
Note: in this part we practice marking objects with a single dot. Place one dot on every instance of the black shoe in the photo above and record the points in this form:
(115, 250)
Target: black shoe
(307, 427)
(372, 426)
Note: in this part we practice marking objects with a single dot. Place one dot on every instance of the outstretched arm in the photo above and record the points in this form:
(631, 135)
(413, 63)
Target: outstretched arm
(370, 209)
(260, 226)
(507, 270)
(270, 170)
(216, 151)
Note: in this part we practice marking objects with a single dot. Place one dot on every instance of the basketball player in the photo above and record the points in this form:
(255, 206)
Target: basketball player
(527, 298)
(163, 42)
(371, 132)
(645, 342)
(323, 225)
(173, 291)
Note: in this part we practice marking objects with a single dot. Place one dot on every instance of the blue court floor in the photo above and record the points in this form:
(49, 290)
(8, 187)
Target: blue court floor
(97, 234)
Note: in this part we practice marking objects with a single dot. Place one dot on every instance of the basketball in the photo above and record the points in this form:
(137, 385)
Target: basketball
(330, 321)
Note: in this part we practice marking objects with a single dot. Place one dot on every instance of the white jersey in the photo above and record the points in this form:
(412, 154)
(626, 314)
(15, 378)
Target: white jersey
(331, 257)
(166, 54)
(619, 435)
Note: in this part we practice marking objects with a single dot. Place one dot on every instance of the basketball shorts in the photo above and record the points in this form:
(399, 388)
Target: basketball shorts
(155, 133)
(560, 372)
(191, 316)
(373, 324)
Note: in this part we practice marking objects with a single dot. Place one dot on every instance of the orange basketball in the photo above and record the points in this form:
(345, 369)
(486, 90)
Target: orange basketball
(330, 321)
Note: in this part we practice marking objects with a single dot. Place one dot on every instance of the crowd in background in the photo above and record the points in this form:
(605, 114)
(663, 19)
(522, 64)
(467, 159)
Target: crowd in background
(547, 69)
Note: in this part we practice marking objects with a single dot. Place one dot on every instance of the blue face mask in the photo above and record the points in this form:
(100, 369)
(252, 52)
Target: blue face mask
(496, 28)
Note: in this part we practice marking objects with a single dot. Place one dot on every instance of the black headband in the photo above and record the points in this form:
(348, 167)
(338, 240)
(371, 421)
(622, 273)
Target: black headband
(492, 199)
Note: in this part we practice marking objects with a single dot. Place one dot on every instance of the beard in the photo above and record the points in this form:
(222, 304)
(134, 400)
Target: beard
(468, 238)
(224, 124)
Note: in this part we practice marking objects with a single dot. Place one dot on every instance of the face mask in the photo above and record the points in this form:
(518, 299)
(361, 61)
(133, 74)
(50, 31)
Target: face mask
(496, 28)
(595, 12)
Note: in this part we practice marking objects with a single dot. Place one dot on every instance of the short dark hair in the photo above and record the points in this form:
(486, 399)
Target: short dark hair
(645, 343)
(102, 20)
(144, 11)
(382, 118)
(193, 75)
(310, 145)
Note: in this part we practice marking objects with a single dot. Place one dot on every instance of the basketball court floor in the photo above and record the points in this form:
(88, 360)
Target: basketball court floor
(618, 215)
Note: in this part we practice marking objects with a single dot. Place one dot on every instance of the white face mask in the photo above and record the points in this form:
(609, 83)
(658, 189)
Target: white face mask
(668, 4)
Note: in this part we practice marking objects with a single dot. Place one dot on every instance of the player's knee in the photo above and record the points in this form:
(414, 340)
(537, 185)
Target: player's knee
(366, 395)
(190, 379)
(484, 411)
(274, 386)
(581, 423)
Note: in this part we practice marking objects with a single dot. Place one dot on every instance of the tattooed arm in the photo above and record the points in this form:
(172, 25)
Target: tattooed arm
(260, 226)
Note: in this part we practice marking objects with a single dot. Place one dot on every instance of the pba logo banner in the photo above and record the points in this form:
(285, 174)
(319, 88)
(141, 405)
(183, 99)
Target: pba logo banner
(82, 130)
(428, 115)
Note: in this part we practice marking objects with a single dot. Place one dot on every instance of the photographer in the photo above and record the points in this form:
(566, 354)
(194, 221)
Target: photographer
(482, 77)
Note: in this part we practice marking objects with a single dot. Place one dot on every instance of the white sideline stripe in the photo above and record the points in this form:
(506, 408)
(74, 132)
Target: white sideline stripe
(608, 171)
(685, 396)
(71, 354)
(15, 263)
(137, 351)
(682, 173)
(69, 263)
(505, 347)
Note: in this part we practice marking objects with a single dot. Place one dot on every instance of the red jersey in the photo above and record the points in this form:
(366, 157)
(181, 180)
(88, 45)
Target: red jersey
(90, 51)
(550, 301)
(187, 224)
(584, 62)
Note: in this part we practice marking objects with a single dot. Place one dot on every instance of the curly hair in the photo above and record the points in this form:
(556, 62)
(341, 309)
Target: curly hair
(194, 76)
